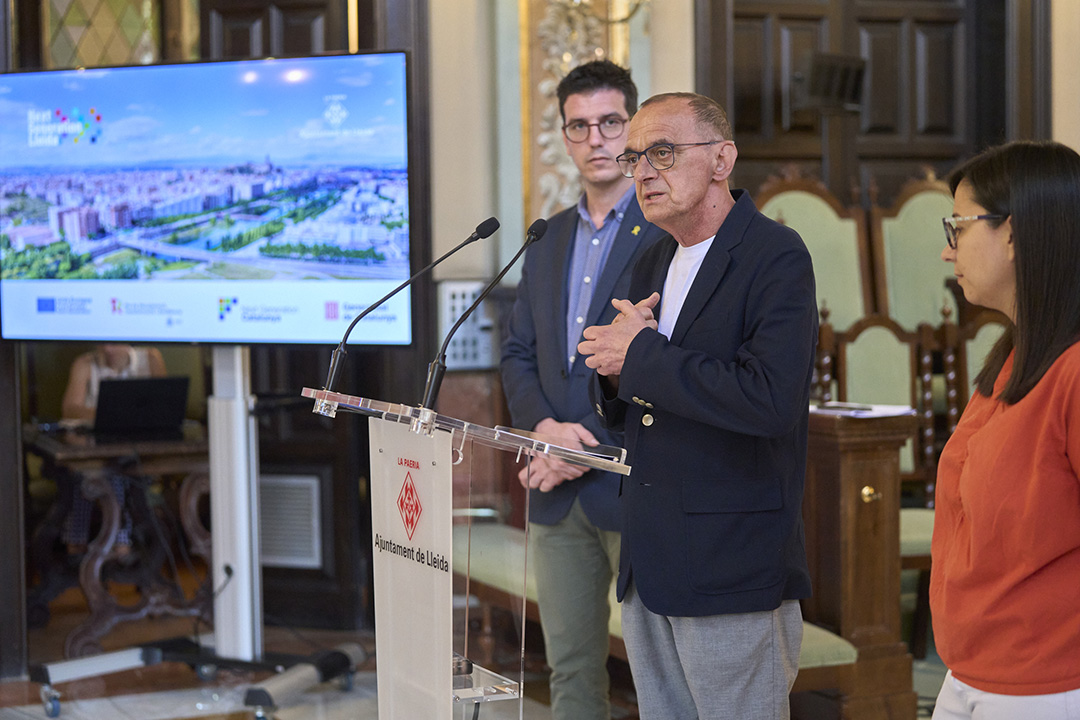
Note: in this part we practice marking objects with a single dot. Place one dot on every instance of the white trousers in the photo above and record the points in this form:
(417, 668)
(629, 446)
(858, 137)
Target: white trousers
(960, 701)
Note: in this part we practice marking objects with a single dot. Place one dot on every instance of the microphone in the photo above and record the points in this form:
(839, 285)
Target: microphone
(483, 230)
(437, 368)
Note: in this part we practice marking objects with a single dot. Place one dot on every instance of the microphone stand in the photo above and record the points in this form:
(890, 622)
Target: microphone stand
(437, 368)
(337, 359)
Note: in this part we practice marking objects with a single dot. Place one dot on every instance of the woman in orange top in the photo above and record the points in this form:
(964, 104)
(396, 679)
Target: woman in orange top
(1005, 583)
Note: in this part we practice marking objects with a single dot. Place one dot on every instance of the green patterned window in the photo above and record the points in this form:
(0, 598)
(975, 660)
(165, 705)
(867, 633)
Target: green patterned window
(92, 33)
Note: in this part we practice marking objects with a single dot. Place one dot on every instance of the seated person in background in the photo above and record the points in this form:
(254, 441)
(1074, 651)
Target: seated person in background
(106, 361)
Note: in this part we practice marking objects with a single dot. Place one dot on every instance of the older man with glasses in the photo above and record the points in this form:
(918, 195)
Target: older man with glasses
(707, 369)
(568, 283)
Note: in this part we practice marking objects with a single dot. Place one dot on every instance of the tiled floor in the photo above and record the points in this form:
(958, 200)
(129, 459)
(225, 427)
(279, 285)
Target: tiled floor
(178, 692)
(121, 697)
(225, 702)
(927, 676)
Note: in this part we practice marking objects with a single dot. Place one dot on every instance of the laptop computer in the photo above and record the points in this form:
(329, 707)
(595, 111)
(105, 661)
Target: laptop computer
(141, 408)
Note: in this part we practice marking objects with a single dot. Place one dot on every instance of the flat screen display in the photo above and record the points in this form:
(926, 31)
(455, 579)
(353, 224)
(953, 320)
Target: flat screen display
(234, 202)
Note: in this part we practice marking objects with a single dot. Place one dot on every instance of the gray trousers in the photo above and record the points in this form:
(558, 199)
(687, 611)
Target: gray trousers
(719, 666)
(574, 562)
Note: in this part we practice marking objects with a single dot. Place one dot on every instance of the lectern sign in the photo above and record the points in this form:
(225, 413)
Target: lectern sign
(420, 675)
(408, 504)
(411, 508)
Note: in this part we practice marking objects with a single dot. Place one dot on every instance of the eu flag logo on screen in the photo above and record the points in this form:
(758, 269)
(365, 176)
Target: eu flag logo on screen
(46, 305)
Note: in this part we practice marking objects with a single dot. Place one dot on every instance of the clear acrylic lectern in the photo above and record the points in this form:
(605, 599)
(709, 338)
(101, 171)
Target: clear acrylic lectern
(413, 450)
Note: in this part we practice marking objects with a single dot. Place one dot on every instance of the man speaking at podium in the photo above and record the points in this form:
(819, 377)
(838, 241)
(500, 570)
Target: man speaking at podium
(709, 374)
(568, 283)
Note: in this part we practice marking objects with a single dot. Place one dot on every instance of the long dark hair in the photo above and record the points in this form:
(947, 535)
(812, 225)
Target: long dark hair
(1037, 185)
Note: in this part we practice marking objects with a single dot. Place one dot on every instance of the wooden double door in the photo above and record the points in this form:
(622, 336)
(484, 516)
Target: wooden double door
(943, 78)
(279, 28)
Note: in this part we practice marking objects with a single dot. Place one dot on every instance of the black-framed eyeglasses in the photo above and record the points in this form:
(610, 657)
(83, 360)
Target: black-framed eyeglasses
(661, 156)
(611, 127)
(952, 225)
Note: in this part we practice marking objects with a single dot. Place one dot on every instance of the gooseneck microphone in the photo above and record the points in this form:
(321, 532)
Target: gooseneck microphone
(483, 230)
(437, 368)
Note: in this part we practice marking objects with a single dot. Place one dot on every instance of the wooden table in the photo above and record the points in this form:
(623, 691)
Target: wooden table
(79, 462)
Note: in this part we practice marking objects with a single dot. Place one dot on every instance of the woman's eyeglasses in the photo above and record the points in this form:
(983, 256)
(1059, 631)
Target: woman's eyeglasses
(952, 225)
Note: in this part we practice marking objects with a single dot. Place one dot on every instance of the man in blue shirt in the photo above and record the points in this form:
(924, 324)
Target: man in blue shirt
(567, 284)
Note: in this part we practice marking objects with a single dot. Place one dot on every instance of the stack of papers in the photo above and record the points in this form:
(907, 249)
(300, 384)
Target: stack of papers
(862, 409)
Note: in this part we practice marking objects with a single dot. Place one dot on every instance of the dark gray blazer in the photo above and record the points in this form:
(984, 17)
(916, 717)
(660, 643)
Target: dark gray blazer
(534, 352)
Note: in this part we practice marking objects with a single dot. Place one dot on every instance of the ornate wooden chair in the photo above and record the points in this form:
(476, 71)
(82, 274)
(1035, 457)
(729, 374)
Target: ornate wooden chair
(909, 275)
(974, 341)
(875, 361)
(906, 243)
(836, 237)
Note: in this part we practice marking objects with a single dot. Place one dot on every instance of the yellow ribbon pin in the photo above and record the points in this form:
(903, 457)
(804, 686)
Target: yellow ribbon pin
(636, 230)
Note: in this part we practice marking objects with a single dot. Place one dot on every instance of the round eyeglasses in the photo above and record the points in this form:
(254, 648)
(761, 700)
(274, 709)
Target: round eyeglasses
(611, 127)
(661, 156)
(952, 225)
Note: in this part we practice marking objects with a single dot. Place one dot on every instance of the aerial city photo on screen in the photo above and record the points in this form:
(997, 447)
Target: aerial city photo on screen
(124, 182)
(276, 171)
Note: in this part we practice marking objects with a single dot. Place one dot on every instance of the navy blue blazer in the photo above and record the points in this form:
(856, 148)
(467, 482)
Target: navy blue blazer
(716, 426)
(534, 370)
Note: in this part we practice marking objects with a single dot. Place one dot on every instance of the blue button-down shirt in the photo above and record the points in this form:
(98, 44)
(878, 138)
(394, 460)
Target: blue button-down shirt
(588, 255)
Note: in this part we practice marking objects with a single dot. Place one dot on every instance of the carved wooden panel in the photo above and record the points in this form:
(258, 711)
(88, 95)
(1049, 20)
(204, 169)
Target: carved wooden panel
(234, 34)
(751, 79)
(12, 570)
(13, 638)
(881, 45)
(930, 96)
(242, 28)
(891, 173)
(938, 104)
(798, 42)
(771, 55)
(751, 173)
(301, 30)
(770, 50)
(914, 106)
(5, 34)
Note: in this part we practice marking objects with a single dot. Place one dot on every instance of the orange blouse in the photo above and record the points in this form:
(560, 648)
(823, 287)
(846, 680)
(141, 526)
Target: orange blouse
(1005, 579)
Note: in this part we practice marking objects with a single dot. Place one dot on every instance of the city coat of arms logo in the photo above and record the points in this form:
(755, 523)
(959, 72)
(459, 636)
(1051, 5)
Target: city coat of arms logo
(408, 504)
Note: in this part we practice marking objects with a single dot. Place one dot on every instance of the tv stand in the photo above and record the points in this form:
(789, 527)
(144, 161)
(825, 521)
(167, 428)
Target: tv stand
(235, 570)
